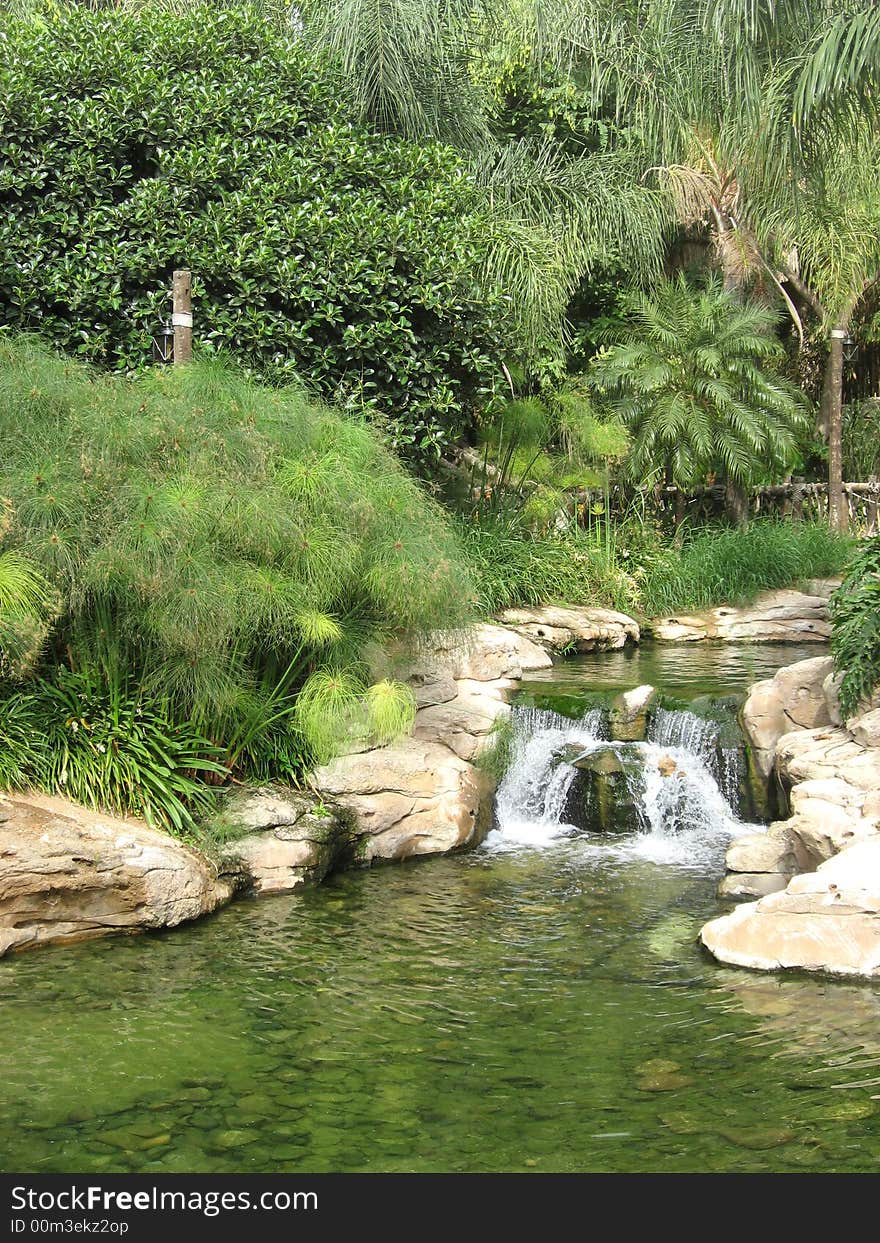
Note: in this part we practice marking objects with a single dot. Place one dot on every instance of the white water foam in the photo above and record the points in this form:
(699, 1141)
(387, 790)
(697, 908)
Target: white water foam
(532, 794)
(686, 819)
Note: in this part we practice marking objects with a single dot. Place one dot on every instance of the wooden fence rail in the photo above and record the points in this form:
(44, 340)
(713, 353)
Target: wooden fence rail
(797, 501)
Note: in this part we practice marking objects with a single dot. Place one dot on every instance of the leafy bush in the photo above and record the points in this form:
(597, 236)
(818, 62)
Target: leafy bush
(861, 440)
(720, 565)
(135, 143)
(855, 628)
(101, 745)
(219, 547)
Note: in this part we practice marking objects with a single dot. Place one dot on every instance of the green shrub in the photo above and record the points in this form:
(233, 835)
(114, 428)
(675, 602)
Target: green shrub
(102, 745)
(722, 565)
(855, 628)
(135, 143)
(692, 374)
(861, 440)
(217, 548)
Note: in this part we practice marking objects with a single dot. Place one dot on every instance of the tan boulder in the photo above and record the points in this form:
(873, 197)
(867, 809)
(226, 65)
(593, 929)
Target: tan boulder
(484, 653)
(763, 852)
(294, 839)
(820, 836)
(68, 873)
(463, 723)
(794, 698)
(827, 920)
(831, 691)
(413, 798)
(866, 728)
(817, 754)
(775, 617)
(573, 629)
(739, 886)
(488, 652)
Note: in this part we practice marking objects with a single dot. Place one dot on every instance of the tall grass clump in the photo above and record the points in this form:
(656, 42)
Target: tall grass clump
(224, 556)
(513, 565)
(855, 628)
(723, 565)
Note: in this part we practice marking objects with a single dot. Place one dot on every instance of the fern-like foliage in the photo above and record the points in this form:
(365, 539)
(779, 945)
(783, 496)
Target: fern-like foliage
(855, 628)
(692, 377)
(224, 550)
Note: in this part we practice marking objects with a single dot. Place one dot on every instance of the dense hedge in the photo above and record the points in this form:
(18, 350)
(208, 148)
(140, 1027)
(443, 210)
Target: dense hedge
(131, 145)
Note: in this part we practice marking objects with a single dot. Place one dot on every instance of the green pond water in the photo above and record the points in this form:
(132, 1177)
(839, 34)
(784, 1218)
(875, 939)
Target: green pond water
(533, 1010)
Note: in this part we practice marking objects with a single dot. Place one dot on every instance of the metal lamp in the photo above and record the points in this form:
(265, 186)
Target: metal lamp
(163, 343)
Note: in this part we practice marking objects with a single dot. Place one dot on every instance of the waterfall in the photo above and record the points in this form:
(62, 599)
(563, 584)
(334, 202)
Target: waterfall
(532, 795)
(681, 782)
(699, 736)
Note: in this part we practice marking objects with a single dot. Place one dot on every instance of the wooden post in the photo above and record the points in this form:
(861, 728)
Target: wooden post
(872, 510)
(797, 499)
(181, 317)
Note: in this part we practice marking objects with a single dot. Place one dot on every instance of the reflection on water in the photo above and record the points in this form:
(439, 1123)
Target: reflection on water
(680, 669)
(545, 1010)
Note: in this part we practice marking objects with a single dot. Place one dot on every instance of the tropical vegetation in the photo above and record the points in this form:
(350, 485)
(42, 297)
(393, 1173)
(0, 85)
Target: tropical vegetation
(225, 562)
(475, 286)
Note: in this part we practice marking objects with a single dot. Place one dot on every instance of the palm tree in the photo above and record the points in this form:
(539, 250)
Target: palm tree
(688, 380)
(745, 108)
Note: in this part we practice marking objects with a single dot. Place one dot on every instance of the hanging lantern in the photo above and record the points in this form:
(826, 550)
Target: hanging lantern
(163, 343)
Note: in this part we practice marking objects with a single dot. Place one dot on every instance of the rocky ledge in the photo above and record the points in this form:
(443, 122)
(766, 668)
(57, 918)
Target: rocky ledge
(426, 794)
(573, 630)
(775, 617)
(67, 874)
(817, 873)
(827, 920)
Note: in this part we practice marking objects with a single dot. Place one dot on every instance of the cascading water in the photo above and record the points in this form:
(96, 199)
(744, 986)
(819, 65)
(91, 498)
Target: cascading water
(531, 797)
(701, 736)
(682, 783)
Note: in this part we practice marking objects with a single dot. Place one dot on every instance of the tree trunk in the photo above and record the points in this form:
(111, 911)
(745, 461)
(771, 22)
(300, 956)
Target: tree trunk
(736, 502)
(832, 424)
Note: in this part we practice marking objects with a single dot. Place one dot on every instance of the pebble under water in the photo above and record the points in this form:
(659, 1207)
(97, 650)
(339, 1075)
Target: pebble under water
(515, 1010)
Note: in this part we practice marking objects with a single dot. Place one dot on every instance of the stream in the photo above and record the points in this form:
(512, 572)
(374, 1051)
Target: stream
(538, 1004)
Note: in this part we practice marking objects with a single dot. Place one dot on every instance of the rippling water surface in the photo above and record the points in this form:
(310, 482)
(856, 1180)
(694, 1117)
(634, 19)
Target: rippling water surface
(544, 1010)
(522, 1010)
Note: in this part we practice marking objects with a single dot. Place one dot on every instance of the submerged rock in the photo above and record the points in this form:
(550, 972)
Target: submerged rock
(68, 873)
(605, 795)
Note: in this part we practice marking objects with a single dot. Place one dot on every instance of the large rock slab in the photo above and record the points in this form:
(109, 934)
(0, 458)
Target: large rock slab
(794, 698)
(464, 723)
(829, 752)
(484, 653)
(413, 798)
(865, 728)
(294, 840)
(827, 920)
(570, 630)
(775, 617)
(67, 873)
